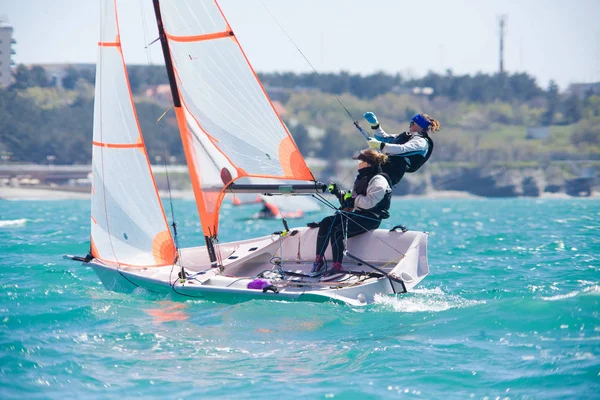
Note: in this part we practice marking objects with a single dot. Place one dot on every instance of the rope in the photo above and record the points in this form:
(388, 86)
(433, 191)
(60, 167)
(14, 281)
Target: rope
(147, 47)
(174, 224)
(324, 201)
(354, 121)
(343, 213)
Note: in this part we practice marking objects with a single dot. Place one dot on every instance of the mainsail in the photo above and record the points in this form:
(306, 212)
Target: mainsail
(129, 226)
(229, 127)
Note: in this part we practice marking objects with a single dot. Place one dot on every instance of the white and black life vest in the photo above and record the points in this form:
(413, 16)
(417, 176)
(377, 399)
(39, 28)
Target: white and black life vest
(381, 209)
(398, 164)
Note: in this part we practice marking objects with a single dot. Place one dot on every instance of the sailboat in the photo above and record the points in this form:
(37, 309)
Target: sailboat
(231, 133)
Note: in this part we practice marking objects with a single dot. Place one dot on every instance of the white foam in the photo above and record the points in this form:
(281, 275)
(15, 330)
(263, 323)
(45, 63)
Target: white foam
(425, 300)
(591, 290)
(14, 223)
(561, 296)
(426, 291)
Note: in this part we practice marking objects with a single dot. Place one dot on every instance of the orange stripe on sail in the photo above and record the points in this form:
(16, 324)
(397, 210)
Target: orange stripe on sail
(109, 44)
(142, 148)
(118, 145)
(199, 38)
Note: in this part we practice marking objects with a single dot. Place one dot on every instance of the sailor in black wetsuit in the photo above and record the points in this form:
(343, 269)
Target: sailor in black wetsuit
(407, 151)
(367, 204)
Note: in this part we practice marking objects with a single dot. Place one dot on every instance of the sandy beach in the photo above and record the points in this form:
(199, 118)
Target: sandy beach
(22, 193)
(31, 193)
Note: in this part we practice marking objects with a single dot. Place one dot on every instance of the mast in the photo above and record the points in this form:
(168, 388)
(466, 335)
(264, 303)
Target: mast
(177, 101)
(166, 55)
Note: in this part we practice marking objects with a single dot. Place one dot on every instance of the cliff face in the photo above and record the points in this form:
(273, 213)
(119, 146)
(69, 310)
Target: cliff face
(498, 182)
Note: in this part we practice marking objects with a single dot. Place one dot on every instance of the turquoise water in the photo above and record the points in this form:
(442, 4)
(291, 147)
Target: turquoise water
(509, 311)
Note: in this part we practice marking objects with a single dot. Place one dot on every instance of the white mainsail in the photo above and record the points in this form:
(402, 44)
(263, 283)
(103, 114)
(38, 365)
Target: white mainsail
(129, 226)
(229, 127)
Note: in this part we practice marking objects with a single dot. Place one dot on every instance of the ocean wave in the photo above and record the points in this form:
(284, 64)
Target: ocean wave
(13, 223)
(591, 290)
(425, 300)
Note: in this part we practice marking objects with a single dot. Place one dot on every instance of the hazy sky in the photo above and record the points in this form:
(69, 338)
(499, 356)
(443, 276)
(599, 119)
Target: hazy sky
(549, 39)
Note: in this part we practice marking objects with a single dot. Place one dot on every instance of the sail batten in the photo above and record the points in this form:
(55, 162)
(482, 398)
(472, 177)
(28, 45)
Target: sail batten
(199, 38)
(109, 44)
(229, 126)
(118, 145)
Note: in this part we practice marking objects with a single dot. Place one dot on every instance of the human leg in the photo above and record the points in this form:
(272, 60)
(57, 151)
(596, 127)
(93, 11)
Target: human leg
(350, 225)
(325, 227)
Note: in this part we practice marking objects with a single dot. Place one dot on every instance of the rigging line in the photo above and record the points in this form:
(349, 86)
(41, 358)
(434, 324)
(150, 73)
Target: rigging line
(216, 248)
(163, 114)
(326, 201)
(344, 214)
(180, 293)
(218, 251)
(329, 204)
(354, 121)
(323, 200)
(174, 224)
(324, 247)
(147, 47)
(351, 171)
(345, 232)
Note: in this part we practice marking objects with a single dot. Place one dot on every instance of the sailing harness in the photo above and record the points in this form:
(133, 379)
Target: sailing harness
(398, 164)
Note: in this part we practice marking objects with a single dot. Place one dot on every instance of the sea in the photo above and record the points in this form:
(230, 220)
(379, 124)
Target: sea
(510, 310)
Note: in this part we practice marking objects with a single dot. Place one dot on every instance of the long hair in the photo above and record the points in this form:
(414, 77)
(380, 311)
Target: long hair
(434, 124)
(373, 157)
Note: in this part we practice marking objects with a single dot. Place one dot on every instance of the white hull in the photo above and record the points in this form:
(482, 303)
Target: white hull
(401, 255)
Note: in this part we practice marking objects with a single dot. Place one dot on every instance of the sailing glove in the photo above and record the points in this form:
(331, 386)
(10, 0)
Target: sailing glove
(333, 189)
(371, 119)
(375, 144)
(347, 201)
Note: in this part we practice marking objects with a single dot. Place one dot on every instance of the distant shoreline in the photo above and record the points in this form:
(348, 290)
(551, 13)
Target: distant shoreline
(32, 193)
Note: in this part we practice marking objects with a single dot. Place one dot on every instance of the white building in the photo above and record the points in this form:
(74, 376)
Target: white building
(6, 52)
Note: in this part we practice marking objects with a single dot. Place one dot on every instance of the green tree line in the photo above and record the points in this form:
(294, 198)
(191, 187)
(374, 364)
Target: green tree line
(484, 117)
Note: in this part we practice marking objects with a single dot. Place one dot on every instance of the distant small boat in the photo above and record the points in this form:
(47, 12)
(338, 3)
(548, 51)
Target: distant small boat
(271, 211)
(230, 132)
